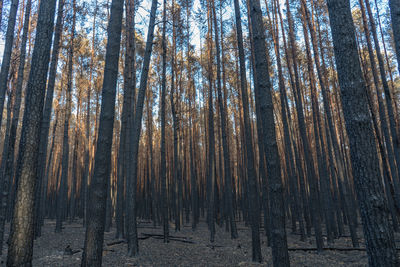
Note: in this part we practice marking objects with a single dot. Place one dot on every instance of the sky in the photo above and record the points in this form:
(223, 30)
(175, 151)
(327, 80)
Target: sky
(143, 16)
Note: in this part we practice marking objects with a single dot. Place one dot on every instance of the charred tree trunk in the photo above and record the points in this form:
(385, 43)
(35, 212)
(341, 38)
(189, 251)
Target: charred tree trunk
(374, 212)
(21, 236)
(92, 254)
(264, 96)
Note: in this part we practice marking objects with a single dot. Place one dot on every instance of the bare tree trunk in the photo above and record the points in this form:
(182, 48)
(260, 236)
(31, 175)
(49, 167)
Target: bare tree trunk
(381, 108)
(378, 232)
(223, 123)
(92, 254)
(395, 15)
(134, 135)
(255, 201)
(310, 169)
(85, 179)
(48, 105)
(6, 177)
(163, 171)
(21, 236)
(5, 64)
(1, 11)
(264, 96)
(388, 95)
(63, 191)
(287, 138)
(127, 110)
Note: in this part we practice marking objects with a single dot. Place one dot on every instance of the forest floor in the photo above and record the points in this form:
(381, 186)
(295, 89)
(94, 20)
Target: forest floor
(187, 248)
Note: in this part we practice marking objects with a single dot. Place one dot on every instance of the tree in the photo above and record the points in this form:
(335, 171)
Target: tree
(63, 191)
(264, 96)
(134, 135)
(395, 15)
(45, 125)
(310, 168)
(224, 123)
(9, 159)
(374, 212)
(255, 203)
(5, 64)
(94, 237)
(22, 227)
(163, 172)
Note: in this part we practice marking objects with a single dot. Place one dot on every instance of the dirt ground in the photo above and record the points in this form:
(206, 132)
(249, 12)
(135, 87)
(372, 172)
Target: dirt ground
(198, 251)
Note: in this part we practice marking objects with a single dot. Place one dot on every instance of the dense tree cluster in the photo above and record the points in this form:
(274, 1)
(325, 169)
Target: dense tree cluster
(282, 114)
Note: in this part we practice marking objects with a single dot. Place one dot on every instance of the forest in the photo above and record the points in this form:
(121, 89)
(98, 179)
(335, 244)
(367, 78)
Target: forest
(200, 133)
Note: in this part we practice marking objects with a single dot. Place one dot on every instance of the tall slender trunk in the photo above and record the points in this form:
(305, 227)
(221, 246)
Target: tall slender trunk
(1, 11)
(6, 177)
(386, 89)
(287, 138)
(163, 171)
(48, 105)
(378, 232)
(63, 191)
(6, 62)
(264, 96)
(225, 136)
(134, 135)
(127, 110)
(21, 236)
(381, 108)
(92, 254)
(85, 179)
(210, 132)
(395, 15)
(310, 169)
(255, 202)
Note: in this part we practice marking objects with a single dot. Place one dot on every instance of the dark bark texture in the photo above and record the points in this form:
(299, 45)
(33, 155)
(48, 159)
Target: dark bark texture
(21, 236)
(367, 179)
(93, 251)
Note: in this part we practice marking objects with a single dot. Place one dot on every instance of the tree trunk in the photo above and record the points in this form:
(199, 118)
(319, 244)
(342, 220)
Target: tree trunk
(255, 202)
(21, 236)
(378, 232)
(5, 63)
(264, 96)
(8, 161)
(225, 141)
(92, 254)
(310, 169)
(134, 135)
(395, 15)
(63, 189)
(163, 171)
(48, 105)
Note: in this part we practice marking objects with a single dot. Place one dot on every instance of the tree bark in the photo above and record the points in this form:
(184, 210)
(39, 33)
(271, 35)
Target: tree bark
(93, 251)
(134, 135)
(21, 236)
(6, 177)
(374, 212)
(251, 175)
(264, 96)
(63, 190)
(48, 105)
(163, 171)
(395, 15)
(5, 63)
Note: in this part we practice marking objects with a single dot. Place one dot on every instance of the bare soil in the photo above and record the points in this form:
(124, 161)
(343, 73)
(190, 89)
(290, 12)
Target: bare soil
(187, 248)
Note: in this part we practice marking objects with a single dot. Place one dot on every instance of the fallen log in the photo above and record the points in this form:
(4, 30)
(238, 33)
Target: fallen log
(116, 242)
(175, 239)
(160, 235)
